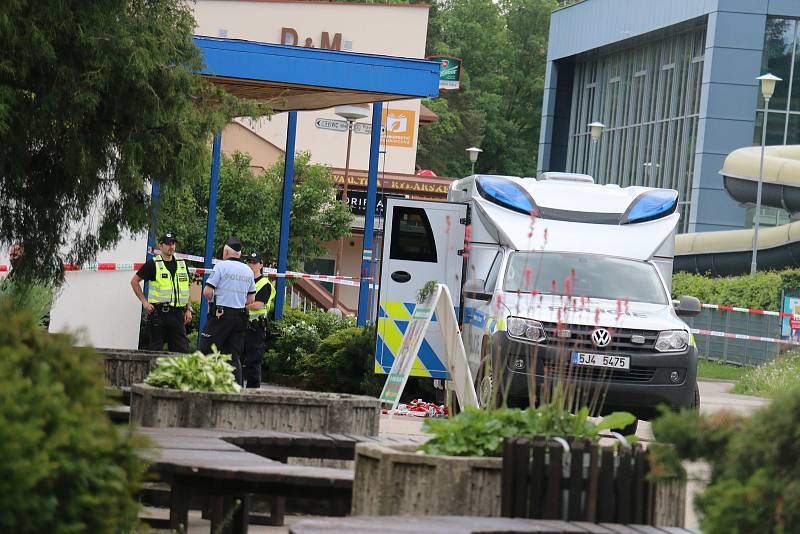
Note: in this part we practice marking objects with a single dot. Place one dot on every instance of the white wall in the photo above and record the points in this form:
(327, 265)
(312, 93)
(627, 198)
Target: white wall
(101, 304)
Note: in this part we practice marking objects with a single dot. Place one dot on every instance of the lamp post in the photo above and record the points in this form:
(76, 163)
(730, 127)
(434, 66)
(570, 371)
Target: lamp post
(767, 82)
(351, 113)
(473, 156)
(595, 131)
(652, 169)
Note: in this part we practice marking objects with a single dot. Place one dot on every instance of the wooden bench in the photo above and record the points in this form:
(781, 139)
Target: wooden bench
(468, 525)
(229, 465)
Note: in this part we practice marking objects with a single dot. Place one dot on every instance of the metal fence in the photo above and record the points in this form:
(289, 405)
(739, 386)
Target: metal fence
(738, 351)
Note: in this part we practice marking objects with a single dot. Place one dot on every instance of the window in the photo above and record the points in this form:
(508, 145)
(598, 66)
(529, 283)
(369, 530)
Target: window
(649, 99)
(412, 237)
(494, 270)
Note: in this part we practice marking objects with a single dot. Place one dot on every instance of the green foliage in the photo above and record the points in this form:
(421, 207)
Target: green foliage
(96, 100)
(65, 468)
(344, 362)
(771, 379)
(761, 291)
(426, 291)
(755, 483)
(719, 370)
(249, 207)
(35, 297)
(195, 372)
(475, 432)
(503, 45)
(296, 335)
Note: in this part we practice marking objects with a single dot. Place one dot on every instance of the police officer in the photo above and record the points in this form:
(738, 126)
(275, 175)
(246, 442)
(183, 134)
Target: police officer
(229, 289)
(255, 339)
(167, 300)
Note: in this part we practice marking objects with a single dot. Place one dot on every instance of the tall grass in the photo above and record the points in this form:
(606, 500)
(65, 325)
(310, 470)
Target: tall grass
(771, 379)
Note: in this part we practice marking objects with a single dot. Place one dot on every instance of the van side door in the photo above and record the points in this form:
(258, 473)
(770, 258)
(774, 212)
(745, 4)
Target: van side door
(423, 241)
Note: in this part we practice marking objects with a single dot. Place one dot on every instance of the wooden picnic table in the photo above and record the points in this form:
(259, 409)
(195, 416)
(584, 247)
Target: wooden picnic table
(467, 525)
(229, 465)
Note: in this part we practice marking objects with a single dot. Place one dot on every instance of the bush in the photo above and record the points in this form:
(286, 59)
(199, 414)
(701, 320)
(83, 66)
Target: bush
(760, 291)
(476, 432)
(65, 467)
(755, 482)
(194, 372)
(36, 297)
(297, 334)
(344, 363)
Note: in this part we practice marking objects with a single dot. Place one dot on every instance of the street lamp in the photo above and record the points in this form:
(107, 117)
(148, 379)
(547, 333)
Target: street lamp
(652, 169)
(351, 113)
(473, 156)
(767, 82)
(595, 131)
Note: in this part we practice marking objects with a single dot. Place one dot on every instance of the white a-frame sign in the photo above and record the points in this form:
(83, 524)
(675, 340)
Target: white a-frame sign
(440, 302)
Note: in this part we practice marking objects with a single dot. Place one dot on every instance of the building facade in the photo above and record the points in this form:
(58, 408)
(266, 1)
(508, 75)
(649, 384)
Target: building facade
(385, 29)
(674, 83)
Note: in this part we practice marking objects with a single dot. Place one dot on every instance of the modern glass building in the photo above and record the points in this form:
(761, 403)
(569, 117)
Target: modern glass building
(673, 81)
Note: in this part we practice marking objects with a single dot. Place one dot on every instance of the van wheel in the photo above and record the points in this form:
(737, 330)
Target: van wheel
(695, 405)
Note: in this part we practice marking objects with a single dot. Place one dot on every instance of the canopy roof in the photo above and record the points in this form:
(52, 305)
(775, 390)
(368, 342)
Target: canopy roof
(292, 78)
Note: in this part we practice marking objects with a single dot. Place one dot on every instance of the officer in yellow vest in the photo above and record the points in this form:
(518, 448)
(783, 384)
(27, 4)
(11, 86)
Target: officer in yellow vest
(167, 301)
(255, 338)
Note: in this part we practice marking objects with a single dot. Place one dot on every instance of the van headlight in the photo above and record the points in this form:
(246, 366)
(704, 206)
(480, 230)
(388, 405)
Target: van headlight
(526, 329)
(672, 341)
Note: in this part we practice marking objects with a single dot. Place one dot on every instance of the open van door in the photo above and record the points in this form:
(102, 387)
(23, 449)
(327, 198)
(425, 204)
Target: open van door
(422, 241)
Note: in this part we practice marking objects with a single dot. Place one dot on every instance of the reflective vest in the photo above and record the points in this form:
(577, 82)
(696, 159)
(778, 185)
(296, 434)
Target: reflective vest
(262, 312)
(166, 290)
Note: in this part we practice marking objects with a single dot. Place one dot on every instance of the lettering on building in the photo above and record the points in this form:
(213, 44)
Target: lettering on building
(289, 36)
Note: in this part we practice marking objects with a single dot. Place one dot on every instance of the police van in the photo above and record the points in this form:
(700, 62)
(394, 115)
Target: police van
(551, 277)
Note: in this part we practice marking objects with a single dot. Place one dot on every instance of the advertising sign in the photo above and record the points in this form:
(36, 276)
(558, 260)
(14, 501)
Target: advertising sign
(398, 125)
(358, 201)
(441, 302)
(449, 72)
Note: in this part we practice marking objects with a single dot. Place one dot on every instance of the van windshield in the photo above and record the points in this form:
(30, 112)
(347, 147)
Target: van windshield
(584, 275)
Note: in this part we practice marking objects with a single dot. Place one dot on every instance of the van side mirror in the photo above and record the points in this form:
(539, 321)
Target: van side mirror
(688, 306)
(474, 289)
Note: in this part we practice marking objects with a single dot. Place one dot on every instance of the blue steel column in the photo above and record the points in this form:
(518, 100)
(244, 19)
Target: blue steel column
(369, 217)
(212, 221)
(286, 208)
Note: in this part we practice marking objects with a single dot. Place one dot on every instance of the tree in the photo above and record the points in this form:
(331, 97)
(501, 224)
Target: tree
(96, 100)
(249, 208)
(503, 45)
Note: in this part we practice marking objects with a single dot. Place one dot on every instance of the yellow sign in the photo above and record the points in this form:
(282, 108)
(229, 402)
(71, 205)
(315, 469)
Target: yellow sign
(398, 125)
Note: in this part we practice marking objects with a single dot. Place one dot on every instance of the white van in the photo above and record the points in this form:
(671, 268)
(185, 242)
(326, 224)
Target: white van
(554, 275)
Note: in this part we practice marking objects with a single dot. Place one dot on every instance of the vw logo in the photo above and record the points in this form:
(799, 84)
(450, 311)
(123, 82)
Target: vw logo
(601, 337)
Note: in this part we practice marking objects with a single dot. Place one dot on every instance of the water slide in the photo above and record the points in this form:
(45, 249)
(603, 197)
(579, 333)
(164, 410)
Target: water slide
(729, 252)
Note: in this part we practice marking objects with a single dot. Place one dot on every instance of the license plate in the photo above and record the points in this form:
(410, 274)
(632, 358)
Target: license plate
(601, 360)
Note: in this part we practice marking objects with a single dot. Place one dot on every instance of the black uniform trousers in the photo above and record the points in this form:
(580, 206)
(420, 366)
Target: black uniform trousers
(255, 343)
(226, 331)
(167, 326)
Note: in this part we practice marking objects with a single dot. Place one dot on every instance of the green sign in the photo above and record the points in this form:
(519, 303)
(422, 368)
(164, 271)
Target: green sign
(449, 72)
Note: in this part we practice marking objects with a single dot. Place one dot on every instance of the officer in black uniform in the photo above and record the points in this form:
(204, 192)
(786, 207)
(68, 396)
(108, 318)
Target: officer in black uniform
(255, 339)
(167, 301)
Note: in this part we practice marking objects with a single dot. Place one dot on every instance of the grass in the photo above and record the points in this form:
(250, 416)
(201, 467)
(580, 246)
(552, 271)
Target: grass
(719, 371)
(771, 379)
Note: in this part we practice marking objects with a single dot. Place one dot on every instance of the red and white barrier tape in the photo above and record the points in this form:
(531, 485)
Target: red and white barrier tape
(744, 310)
(745, 337)
(272, 273)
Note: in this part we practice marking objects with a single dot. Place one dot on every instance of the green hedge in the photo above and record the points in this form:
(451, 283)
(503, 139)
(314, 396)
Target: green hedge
(64, 468)
(761, 291)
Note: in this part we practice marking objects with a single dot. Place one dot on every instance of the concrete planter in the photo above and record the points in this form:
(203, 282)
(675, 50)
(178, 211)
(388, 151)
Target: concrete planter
(395, 480)
(125, 368)
(278, 409)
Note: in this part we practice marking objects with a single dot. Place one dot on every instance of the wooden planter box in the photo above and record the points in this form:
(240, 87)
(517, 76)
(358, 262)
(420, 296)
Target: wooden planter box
(125, 368)
(396, 480)
(278, 409)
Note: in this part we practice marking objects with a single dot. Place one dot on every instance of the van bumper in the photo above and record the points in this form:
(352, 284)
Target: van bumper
(641, 390)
